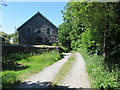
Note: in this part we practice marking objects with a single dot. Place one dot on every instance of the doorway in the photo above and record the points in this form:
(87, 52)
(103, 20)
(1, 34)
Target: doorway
(39, 40)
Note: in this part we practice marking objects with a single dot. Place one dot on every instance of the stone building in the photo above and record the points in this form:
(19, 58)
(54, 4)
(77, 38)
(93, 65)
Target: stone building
(38, 30)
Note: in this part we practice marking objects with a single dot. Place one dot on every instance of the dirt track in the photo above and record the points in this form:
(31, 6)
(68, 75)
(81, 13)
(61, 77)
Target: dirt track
(76, 78)
(44, 77)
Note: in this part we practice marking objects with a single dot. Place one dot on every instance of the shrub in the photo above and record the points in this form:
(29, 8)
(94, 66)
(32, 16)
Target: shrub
(54, 44)
(8, 78)
(26, 66)
(97, 69)
(9, 60)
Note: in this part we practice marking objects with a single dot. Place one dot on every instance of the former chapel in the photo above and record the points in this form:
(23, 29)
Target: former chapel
(38, 30)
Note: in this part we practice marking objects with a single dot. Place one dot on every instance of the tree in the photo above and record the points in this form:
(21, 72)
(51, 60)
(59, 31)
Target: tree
(64, 38)
(94, 26)
(5, 38)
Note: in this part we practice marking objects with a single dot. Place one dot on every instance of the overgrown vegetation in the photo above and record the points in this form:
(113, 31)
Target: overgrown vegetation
(64, 70)
(9, 61)
(4, 38)
(9, 38)
(94, 26)
(20, 66)
(99, 73)
(9, 79)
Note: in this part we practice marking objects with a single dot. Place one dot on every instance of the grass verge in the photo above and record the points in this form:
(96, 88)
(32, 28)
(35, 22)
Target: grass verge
(26, 67)
(100, 76)
(63, 71)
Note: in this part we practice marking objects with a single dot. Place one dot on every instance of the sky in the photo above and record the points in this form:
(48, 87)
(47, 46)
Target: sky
(16, 13)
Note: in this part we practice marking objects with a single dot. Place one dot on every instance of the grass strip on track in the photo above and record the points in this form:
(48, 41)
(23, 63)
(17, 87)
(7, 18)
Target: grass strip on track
(63, 71)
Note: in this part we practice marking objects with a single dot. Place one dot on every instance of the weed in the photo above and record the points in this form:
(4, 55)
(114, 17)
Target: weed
(100, 76)
(27, 65)
(8, 78)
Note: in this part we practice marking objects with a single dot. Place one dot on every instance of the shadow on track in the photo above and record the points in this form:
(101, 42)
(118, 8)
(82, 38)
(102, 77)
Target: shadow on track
(43, 85)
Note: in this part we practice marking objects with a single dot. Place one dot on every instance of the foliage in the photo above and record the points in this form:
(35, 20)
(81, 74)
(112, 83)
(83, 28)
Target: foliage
(4, 38)
(54, 44)
(88, 42)
(65, 49)
(94, 26)
(8, 78)
(9, 60)
(64, 38)
(26, 65)
(100, 76)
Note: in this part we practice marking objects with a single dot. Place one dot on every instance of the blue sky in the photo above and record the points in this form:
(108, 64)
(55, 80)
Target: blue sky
(16, 13)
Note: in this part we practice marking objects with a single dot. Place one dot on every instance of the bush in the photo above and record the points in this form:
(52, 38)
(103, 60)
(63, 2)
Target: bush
(88, 42)
(9, 60)
(26, 66)
(8, 78)
(100, 76)
(54, 44)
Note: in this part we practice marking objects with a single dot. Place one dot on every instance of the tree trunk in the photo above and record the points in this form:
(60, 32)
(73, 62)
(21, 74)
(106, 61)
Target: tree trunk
(105, 33)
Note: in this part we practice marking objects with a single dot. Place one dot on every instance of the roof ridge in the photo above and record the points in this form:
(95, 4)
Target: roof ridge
(38, 13)
(46, 19)
(27, 21)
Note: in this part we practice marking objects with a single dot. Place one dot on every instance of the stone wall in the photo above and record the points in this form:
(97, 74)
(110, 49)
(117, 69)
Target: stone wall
(6, 49)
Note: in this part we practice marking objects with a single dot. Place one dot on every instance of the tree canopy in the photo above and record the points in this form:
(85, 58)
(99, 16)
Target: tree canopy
(94, 26)
(5, 38)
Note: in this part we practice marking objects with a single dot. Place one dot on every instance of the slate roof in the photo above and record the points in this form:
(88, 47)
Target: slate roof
(38, 13)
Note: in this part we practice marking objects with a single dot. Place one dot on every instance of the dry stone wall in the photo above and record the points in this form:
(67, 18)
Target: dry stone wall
(6, 49)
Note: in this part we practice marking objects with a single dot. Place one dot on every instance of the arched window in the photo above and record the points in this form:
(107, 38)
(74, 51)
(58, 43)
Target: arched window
(48, 31)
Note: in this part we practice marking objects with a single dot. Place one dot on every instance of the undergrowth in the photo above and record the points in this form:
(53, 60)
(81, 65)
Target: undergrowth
(100, 76)
(25, 65)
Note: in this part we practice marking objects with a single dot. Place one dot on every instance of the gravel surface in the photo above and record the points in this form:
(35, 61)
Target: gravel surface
(77, 77)
(43, 78)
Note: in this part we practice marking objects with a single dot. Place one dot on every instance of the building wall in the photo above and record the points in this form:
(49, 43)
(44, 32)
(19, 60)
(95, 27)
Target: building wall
(35, 31)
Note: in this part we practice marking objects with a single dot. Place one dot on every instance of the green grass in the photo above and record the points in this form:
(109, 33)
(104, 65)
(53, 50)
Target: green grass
(64, 70)
(26, 67)
(99, 75)
(9, 79)
(9, 60)
(38, 62)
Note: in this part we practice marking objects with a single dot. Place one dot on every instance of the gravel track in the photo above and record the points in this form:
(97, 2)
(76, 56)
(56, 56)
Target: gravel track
(77, 77)
(44, 77)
